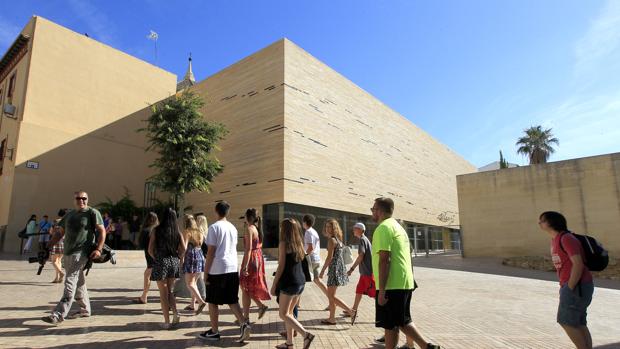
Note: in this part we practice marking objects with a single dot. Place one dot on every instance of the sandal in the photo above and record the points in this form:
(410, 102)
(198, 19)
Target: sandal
(327, 322)
(283, 333)
(261, 311)
(353, 317)
(308, 338)
(189, 307)
(138, 301)
(284, 346)
(200, 308)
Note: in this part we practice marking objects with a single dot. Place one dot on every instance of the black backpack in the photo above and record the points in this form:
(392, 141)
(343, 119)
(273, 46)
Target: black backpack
(596, 257)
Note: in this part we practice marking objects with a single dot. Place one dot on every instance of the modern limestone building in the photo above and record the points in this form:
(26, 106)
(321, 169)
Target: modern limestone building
(303, 139)
(64, 97)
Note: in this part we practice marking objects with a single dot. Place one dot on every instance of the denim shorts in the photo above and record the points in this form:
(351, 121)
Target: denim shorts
(293, 290)
(573, 307)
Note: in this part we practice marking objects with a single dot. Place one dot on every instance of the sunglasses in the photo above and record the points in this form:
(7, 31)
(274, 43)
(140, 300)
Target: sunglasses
(81, 198)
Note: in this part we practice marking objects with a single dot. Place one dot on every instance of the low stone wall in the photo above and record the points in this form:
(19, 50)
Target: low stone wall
(612, 271)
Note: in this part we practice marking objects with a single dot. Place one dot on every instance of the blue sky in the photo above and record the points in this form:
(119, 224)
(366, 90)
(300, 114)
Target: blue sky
(473, 74)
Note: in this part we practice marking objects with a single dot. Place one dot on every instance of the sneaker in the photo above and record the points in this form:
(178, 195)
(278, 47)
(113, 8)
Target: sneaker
(77, 315)
(51, 319)
(210, 336)
(245, 332)
(380, 339)
(432, 346)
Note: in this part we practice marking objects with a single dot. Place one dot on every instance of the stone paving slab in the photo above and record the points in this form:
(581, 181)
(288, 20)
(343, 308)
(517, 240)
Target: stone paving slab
(454, 308)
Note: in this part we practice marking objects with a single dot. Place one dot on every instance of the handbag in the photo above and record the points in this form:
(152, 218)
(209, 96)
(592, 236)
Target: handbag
(305, 266)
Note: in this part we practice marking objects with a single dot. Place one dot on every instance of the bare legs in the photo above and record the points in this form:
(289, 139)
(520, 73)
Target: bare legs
(147, 285)
(286, 305)
(214, 315)
(412, 334)
(580, 336)
(335, 301)
(190, 281)
(167, 299)
(57, 267)
(246, 301)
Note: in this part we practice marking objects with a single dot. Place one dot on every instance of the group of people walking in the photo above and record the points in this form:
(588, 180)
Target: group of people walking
(207, 257)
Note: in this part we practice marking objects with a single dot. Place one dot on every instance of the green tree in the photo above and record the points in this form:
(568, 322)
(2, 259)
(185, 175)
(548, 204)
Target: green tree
(537, 144)
(125, 207)
(184, 142)
(502, 161)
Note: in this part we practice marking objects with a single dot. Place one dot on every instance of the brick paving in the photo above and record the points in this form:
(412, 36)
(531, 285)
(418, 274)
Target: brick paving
(454, 308)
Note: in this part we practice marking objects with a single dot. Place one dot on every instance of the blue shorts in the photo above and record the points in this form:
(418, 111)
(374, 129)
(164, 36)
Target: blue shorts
(573, 307)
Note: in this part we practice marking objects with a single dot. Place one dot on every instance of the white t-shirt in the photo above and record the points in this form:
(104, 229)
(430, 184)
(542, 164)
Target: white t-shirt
(312, 237)
(223, 235)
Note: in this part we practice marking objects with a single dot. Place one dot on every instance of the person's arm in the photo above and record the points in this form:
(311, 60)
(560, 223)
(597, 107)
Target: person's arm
(330, 254)
(247, 246)
(308, 242)
(182, 248)
(576, 271)
(358, 260)
(101, 241)
(384, 270)
(280, 270)
(209, 261)
(151, 248)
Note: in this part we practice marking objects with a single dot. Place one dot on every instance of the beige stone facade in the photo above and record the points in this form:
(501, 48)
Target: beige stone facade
(499, 209)
(72, 96)
(299, 133)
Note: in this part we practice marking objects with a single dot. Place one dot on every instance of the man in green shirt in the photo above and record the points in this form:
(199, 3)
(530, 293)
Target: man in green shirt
(78, 228)
(391, 264)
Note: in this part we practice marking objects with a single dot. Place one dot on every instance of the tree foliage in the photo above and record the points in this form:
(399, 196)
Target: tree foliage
(184, 142)
(502, 161)
(537, 144)
(125, 207)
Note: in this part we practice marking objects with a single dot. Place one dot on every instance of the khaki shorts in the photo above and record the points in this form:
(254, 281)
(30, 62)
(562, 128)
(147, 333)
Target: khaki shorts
(316, 270)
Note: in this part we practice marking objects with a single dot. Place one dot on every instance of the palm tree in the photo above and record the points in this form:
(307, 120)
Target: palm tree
(537, 144)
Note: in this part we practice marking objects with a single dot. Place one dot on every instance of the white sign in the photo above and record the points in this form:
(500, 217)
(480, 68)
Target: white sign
(32, 164)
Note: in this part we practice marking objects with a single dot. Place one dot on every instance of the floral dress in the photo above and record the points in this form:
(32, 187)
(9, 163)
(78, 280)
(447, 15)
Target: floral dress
(255, 283)
(337, 274)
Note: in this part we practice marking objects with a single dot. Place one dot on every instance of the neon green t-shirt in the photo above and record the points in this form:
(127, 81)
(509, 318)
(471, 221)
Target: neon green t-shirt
(390, 236)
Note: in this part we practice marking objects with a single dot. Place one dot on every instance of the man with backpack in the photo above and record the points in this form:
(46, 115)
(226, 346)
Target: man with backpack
(84, 237)
(576, 283)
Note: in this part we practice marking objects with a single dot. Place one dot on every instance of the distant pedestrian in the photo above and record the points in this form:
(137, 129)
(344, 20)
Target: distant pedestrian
(391, 265)
(84, 236)
(252, 275)
(222, 275)
(290, 281)
(150, 222)
(576, 282)
(194, 263)
(366, 284)
(57, 249)
(336, 270)
(166, 246)
(31, 229)
(44, 232)
(118, 233)
(134, 229)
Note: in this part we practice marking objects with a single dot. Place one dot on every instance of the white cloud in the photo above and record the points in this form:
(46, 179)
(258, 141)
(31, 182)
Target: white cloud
(600, 46)
(8, 33)
(100, 26)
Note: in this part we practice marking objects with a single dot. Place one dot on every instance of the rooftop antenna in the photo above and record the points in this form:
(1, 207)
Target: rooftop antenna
(154, 36)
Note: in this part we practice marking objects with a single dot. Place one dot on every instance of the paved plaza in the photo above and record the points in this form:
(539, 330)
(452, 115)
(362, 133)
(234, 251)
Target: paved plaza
(460, 304)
